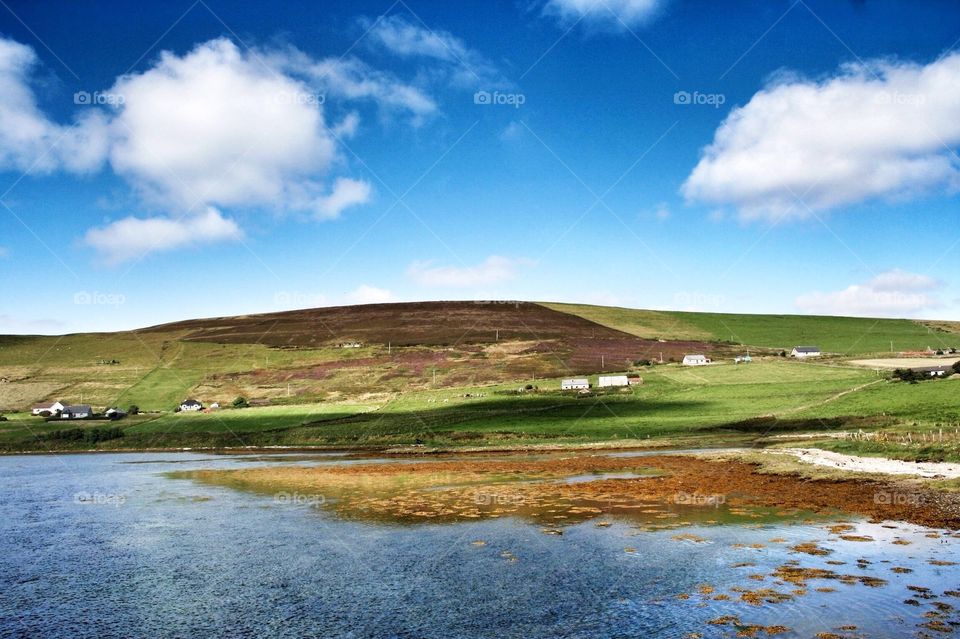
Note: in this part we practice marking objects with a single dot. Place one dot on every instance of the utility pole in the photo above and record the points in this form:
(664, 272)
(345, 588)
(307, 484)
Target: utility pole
(661, 357)
(389, 348)
(498, 334)
(602, 364)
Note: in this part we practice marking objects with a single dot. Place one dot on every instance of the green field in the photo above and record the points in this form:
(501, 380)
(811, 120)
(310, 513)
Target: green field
(841, 335)
(466, 394)
(709, 405)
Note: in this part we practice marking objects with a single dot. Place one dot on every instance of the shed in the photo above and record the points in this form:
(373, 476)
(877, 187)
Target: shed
(612, 380)
(77, 411)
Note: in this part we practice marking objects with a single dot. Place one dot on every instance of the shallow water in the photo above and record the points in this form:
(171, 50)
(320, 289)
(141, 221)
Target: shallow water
(107, 545)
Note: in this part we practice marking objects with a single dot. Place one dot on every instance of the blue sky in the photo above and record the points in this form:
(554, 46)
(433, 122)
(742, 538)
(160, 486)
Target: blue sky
(213, 158)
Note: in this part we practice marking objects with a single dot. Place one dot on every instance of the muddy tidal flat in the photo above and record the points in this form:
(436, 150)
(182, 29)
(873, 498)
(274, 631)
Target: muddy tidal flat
(552, 545)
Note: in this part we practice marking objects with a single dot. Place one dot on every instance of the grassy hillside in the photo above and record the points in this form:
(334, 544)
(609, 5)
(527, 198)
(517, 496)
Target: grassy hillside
(841, 335)
(294, 356)
(707, 403)
(642, 323)
(411, 349)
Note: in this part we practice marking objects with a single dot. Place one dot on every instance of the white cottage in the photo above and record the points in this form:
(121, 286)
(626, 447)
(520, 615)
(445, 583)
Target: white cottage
(695, 360)
(577, 383)
(805, 351)
(52, 409)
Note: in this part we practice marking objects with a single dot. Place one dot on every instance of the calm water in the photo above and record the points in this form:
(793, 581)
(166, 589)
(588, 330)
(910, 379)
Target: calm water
(106, 545)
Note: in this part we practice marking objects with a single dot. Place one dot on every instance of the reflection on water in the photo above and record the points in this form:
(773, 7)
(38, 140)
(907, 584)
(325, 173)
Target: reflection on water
(579, 479)
(140, 555)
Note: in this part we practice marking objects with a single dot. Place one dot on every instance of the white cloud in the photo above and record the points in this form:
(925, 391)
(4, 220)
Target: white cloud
(14, 325)
(512, 132)
(616, 14)
(353, 79)
(132, 237)
(396, 34)
(217, 127)
(366, 294)
(893, 293)
(28, 140)
(492, 270)
(880, 129)
(347, 127)
(404, 38)
(897, 280)
(346, 193)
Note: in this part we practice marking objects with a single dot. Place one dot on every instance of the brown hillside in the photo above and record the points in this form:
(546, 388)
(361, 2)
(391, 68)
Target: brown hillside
(404, 324)
(564, 342)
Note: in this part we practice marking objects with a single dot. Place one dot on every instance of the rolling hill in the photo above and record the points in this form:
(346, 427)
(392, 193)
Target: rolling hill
(295, 356)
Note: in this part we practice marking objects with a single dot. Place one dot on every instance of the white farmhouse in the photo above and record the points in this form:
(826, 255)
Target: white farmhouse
(805, 351)
(695, 360)
(52, 409)
(612, 380)
(190, 404)
(577, 383)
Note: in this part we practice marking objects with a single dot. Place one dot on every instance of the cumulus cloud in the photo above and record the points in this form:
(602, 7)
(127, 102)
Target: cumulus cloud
(878, 129)
(893, 293)
(133, 237)
(492, 270)
(213, 128)
(366, 294)
(345, 193)
(28, 140)
(615, 14)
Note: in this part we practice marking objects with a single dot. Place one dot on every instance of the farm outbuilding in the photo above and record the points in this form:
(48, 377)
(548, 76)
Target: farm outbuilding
(190, 404)
(577, 383)
(612, 380)
(78, 411)
(805, 351)
(933, 371)
(695, 360)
